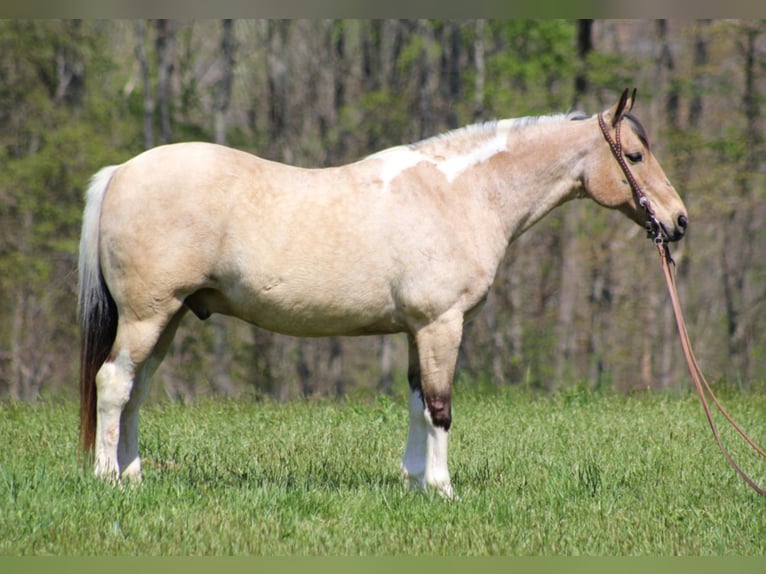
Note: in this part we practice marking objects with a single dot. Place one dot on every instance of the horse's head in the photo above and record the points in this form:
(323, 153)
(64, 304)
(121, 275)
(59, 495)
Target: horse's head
(624, 174)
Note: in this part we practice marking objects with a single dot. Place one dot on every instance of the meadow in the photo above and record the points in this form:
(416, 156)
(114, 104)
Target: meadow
(573, 473)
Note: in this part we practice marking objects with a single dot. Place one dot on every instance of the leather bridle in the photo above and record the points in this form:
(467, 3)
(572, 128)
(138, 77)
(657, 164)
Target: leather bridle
(700, 382)
(615, 144)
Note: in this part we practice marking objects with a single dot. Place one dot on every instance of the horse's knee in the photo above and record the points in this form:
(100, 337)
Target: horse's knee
(440, 410)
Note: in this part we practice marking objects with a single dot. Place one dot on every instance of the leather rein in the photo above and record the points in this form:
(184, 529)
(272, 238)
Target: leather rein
(700, 382)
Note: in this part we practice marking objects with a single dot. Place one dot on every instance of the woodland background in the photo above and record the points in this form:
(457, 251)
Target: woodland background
(579, 299)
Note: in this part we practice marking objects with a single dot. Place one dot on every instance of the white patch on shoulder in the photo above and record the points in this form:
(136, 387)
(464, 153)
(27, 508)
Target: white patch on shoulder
(394, 161)
(453, 167)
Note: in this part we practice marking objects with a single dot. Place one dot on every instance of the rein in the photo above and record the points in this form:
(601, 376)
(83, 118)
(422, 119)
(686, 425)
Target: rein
(700, 382)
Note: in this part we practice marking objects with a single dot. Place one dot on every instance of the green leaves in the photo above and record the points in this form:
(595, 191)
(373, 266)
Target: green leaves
(532, 73)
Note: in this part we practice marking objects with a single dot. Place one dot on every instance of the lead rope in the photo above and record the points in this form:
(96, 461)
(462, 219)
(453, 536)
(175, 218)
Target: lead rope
(700, 382)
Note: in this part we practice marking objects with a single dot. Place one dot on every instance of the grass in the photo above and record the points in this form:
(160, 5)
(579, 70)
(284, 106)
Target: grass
(570, 474)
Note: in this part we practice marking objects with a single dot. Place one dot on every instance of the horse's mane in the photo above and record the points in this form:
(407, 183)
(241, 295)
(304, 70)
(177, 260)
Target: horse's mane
(468, 135)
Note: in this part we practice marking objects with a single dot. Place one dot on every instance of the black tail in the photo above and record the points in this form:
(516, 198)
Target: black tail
(95, 306)
(98, 330)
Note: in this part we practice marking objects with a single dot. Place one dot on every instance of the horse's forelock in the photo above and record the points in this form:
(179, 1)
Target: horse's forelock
(638, 128)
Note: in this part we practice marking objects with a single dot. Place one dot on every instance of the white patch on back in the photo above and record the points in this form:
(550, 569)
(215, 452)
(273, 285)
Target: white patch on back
(394, 161)
(453, 167)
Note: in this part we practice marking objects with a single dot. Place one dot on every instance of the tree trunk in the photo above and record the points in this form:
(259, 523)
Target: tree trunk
(480, 78)
(451, 73)
(165, 47)
(277, 95)
(427, 81)
(584, 48)
(223, 86)
(70, 69)
(386, 381)
(263, 375)
(572, 261)
(16, 360)
(737, 260)
(336, 366)
(671, 362)
(665, 70)
(143, 64)
(223, 356)
(307, 385)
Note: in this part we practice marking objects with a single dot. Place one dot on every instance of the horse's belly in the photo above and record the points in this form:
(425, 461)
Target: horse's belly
(303, 313)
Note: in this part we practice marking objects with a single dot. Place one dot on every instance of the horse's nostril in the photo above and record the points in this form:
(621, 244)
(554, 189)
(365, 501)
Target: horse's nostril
(683, 222)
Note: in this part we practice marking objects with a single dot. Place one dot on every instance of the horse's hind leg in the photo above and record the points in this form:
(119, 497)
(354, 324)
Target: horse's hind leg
(114, 384)
(116, 389)
(127, 450)
(414, 460)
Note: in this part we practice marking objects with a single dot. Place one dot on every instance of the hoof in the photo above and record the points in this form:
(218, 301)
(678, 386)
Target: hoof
(132, 473)
(106, 469)
(419, 483)
(447, 492)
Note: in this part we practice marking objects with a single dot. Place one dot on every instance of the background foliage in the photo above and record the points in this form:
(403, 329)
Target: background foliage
(578, 299)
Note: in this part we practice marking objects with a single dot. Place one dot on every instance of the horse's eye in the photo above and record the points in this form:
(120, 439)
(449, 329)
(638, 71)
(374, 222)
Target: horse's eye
(634, 157)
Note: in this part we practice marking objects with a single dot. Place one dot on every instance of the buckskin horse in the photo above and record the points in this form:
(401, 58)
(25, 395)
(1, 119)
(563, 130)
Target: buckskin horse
(406, 240)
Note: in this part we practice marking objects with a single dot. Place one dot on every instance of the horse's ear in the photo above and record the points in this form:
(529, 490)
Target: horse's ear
(624, 105)
(631, 101)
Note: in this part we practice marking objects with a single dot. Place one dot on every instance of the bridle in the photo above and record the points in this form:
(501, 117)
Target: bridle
(615, 144)
(700, 382)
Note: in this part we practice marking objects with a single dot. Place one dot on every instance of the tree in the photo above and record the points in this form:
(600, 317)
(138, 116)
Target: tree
(577, 298)
(221, 99)
(53, 131)
(743, 217)
(164, 49)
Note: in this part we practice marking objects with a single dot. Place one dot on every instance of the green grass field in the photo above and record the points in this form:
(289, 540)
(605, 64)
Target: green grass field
(570, 474)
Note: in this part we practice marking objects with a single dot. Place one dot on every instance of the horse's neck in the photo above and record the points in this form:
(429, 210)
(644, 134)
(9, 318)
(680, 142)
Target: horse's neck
(541, 169)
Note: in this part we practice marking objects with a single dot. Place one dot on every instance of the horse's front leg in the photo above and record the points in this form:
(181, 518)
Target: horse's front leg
(425, 459)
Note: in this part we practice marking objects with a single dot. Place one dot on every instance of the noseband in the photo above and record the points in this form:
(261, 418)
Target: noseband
(615, 144)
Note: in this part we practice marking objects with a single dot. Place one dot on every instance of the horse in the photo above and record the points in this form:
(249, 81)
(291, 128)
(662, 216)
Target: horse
(407, 240)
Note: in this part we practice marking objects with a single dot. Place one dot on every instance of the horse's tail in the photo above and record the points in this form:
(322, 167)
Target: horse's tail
(96, 309)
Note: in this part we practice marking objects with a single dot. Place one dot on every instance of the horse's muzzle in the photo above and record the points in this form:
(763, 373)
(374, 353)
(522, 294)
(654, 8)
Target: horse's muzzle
(677, 231)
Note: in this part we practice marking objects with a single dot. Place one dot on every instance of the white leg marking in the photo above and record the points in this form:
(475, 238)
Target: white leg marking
(425, 457)
(114, 382)
(127, 451)
(437, 473)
